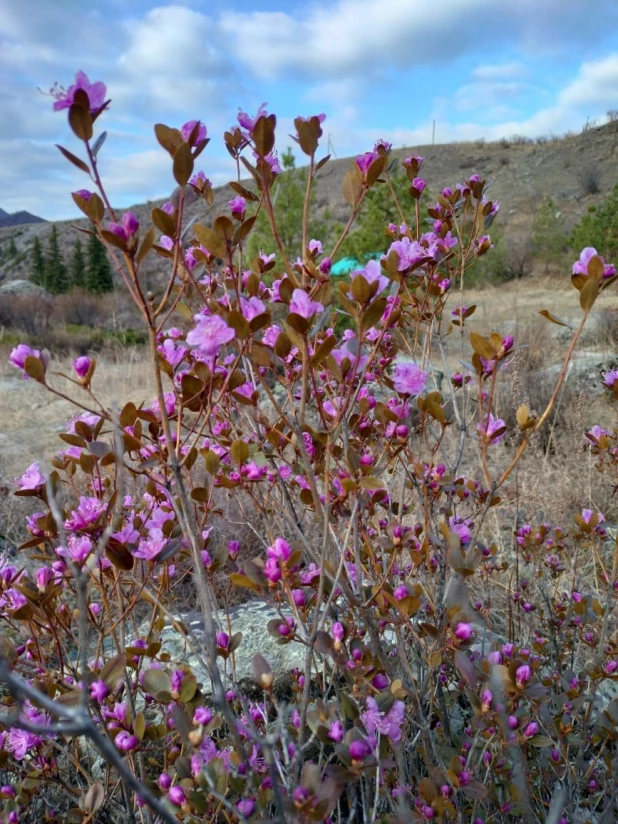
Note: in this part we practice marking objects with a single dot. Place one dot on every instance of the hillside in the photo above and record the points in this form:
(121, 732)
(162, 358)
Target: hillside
(520, 174)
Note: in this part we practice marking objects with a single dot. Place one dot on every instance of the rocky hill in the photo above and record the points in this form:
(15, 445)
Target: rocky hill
(577, 171)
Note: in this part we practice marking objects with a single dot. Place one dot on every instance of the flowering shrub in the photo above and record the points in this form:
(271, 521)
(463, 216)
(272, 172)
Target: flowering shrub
(417, 700)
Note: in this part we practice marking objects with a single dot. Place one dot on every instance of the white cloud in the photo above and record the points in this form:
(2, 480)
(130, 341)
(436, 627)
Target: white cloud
(500, 72)
(596, 85)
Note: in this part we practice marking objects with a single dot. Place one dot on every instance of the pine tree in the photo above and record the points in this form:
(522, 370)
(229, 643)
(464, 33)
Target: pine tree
(549, 241)
(56, 274)
(599, 228)
(98, 270)
(12, 248)
(37, 264)
(367, 238)
(288, 196)
(77, 268)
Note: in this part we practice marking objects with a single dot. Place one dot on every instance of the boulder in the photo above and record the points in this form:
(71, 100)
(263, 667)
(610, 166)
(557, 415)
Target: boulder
(251, 620)
(22, 288)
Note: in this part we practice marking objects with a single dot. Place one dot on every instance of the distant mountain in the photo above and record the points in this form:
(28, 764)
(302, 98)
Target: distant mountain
(17, 219)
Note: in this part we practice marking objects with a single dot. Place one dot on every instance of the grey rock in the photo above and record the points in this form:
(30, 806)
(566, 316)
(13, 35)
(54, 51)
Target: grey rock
(251, 620)
(22, 288)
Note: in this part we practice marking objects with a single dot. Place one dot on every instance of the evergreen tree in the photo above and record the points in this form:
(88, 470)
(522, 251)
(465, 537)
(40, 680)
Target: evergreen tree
(98, 270)
(599, 228)
(77, 268)
(56, 274)
(549, 241)
(12, 248)
(288, 196)
(367, 238)
(37, 264)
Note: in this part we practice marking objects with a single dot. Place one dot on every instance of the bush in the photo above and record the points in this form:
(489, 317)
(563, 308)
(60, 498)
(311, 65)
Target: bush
(439, 675)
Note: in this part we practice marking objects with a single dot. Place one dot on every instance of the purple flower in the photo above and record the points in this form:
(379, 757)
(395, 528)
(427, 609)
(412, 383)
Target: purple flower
(31, 479)
(610, 378)
(359, 750)
(85, 194)
(99, 690)
(125, 741)
(202, 715)
(20, 353)
(384, 144)
(531, 729)
(302, 305)
(247, 122)
(128, 226)
(81, 366)
(87, 513)
(177, 796)
(210, 334)
(251, 308)
(364, 161)
(463, 631)
(372, 273)
(237, 207)
(494, 429)
(611, 667)
(522, 675)
(20, 741)
(95, 91)
(409, 379)
(580, 267)
(388, 724)
(246, 806)
(409, 252)
(188, 128)
(164, 781)
(336, 731)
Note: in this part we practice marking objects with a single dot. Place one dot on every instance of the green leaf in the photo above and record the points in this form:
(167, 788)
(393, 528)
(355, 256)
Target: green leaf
(74, 160)
(554, 319)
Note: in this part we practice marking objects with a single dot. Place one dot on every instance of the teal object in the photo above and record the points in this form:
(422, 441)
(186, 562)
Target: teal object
(345, 266)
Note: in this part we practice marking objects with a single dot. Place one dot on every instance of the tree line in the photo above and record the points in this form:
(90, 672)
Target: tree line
(88, 269)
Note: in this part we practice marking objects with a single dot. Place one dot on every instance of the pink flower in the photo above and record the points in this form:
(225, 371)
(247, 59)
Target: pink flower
(247, 122)
(372, 273)
(463, 631)
(31, 479)
(522, 675)
(364, 161)
(95, 91)
(128, 226)
(409, 379)
(580, 267)
(251, 308)
(494, 429)
(187, 129)
(336, 731)
(87, 513)
(531, 729)
(610, 378)
(237, 207)
(20, 741)
(302, 305)
(177, 796)
(99, 691)
(388, 724)
(409, 252)
(20, 353)
(210, 334)
(81, 366)
(125, 741)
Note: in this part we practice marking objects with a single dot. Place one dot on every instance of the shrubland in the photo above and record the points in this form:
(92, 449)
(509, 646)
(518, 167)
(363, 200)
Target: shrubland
(445, 676)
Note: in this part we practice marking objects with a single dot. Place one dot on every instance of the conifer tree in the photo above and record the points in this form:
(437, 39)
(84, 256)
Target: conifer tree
(548, 238)
(77, 269)
(12, 248)
(37, 263)
(56, 274)
(98, 270)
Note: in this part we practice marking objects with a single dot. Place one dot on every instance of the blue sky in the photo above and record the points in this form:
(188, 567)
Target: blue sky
(479, 68)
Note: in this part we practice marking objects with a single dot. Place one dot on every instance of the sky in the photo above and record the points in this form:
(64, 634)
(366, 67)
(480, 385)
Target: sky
(477, 68)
